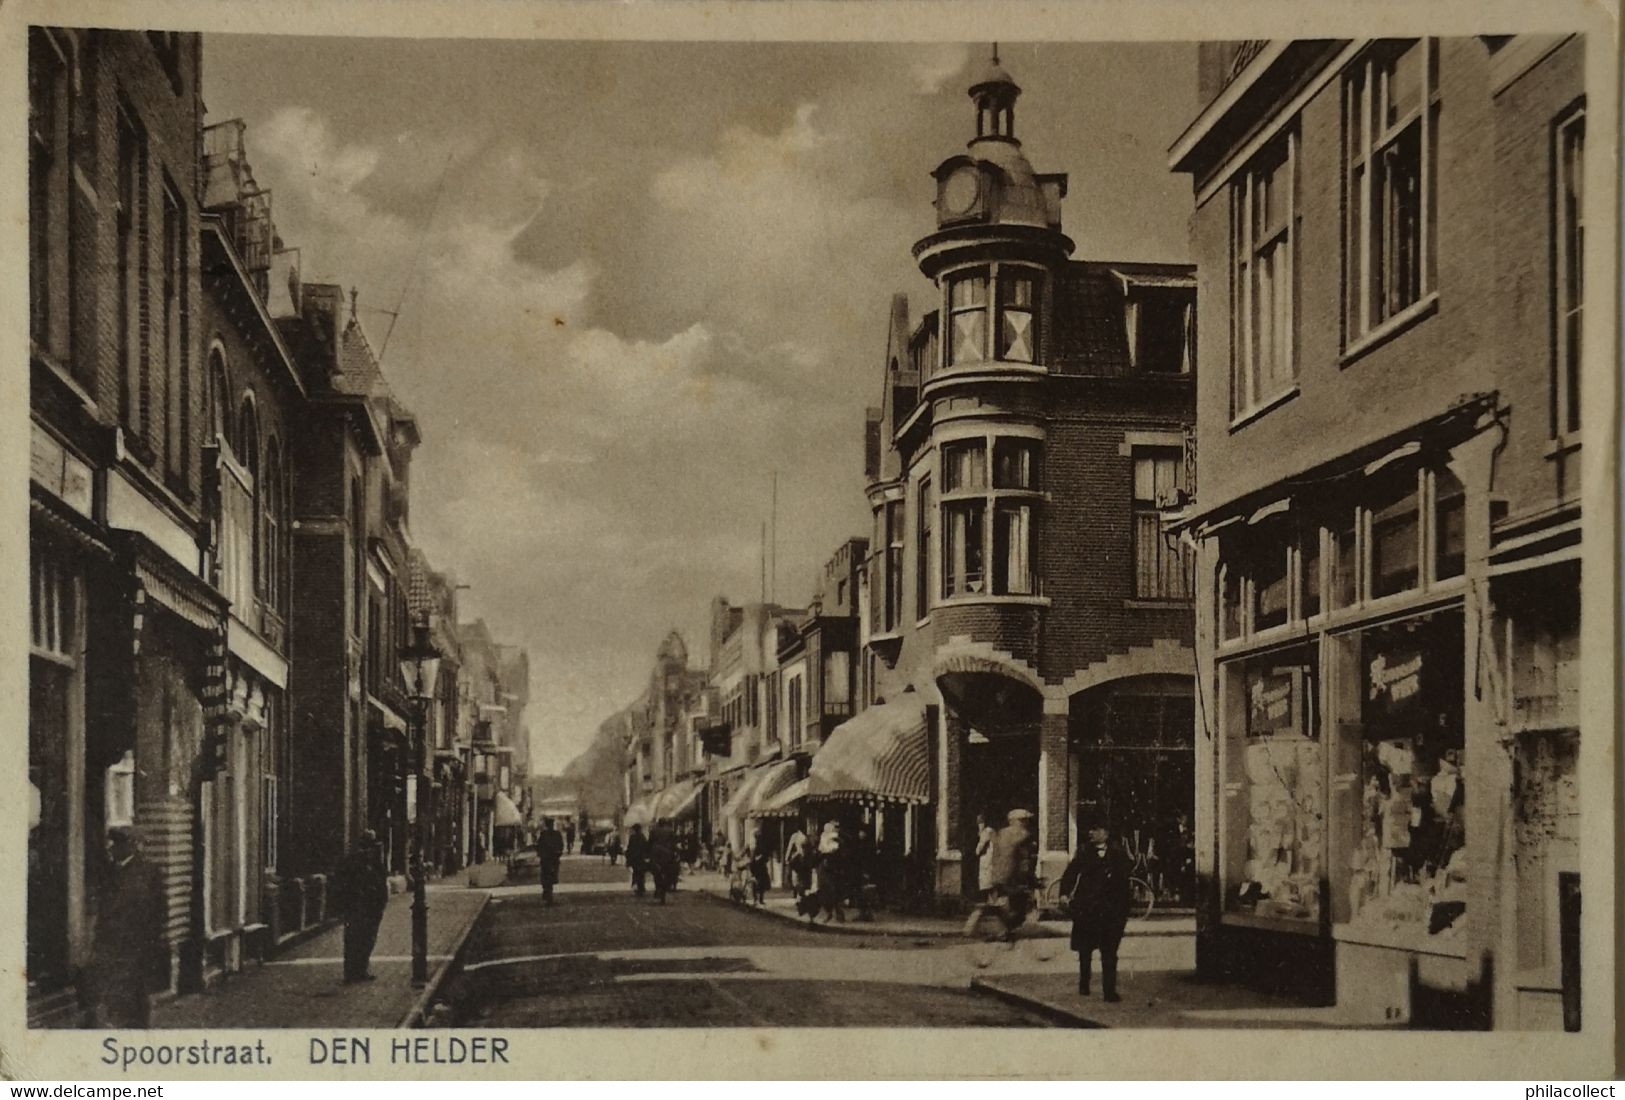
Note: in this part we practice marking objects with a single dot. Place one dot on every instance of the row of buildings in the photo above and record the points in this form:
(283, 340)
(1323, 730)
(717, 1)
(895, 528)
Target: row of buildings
(1303, 625)
(222, 573)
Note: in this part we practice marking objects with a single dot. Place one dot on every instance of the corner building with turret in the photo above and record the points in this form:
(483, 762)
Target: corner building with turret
(1035, 425)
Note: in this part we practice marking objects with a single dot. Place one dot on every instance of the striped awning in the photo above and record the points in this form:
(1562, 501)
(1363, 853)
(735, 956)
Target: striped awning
(506, 814)
(739, 803)
(775, 778)
(882, 754)
(677, 800)
(787, 803)
(637, 813)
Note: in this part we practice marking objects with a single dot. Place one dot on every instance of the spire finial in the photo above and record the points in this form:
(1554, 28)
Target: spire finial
(353, 308)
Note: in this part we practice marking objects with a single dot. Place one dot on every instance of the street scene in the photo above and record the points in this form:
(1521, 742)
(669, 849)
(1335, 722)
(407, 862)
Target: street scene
(725, 534)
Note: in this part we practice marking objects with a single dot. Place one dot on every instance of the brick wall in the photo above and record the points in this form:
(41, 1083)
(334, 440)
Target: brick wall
(1524, 115)
(1422, 370)
(319, 701)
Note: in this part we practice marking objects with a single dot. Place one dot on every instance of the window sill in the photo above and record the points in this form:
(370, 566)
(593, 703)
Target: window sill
(1158, 603)
(1398, 939)
(1563, 445)
(62, 374)
(1243, 419)
(974, 600)
(1411, 315)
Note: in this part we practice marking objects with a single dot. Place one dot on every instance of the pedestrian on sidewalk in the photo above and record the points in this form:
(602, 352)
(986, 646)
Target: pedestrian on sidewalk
(129, 950)
(1012, 862)
(798, 864)
(663, 859)
(361, 893)
(984, 855)
(613, 849)
(637, 857)
(569, 836)
(549, 850)
(756, 860)
(1096, 886)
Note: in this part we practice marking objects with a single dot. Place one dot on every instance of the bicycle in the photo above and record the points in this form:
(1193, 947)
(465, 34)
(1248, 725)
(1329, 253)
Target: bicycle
(1052, 904)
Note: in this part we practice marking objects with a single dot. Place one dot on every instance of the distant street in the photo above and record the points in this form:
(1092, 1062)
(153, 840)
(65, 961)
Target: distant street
(600, 957)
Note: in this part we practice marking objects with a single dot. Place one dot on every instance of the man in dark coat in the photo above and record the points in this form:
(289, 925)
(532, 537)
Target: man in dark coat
(549, 851)
(663, 859)
(362, 893)
(637, 857)
(129, 951)
(1097, 888)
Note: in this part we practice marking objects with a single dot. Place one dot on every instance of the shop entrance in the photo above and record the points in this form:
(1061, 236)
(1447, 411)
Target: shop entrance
(1134, 751)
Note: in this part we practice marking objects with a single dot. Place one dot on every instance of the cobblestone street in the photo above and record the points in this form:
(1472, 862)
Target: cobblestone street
(601, 957)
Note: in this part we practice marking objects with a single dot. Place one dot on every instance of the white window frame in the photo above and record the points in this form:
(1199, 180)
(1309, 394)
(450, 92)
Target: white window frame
(1368, 313)
(1260, 376)
(1139, 506)
(986, 499)
(1568, 274)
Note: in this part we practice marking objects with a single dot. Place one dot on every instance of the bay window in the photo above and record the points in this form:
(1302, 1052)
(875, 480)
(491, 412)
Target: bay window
(967, 317)
(1264, 363)
(962, 548)
(894, 563)
(1391, 105)
(1019, 293)
(922, 550)
(990, 520)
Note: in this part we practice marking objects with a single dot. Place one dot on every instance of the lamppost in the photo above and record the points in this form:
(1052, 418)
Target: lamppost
(420, 668)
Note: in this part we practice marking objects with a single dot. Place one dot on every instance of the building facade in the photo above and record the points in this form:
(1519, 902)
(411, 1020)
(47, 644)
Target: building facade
(1022, 601)
(1390, 236)
(128, 635)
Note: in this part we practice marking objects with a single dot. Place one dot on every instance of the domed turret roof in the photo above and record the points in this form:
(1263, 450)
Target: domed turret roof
(988, 72)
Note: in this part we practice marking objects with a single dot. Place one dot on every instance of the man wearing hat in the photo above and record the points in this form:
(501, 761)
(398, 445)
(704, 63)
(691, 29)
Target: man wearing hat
(1095, 884)
(129, 950)
(1011, 860)
(361, 894)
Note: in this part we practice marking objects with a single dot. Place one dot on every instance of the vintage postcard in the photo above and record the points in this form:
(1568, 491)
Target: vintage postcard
(658, 539)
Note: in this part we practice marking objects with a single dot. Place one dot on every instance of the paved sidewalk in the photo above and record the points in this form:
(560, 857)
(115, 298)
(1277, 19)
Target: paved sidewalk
(1157, 998)
(781, 904)
(303, 987)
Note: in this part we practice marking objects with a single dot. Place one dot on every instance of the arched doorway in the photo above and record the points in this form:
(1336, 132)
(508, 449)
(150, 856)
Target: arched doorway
(1133, 754)
(994, 719)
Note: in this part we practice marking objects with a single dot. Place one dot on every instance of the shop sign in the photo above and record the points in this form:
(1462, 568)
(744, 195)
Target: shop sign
(1395, 680)
(51, 466)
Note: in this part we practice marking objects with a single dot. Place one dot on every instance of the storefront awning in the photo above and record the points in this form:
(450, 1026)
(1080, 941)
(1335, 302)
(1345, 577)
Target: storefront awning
(637, 813)
(739, 803)
(787, 803)
(506, 814)
(677, 801)
(883, 754)
(775, 778)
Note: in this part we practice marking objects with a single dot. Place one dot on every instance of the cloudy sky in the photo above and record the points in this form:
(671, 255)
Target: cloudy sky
(634, 279)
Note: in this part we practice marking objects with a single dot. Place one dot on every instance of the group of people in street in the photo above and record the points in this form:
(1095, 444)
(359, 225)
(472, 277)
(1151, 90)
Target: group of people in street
(1094, 886)
(653, 856)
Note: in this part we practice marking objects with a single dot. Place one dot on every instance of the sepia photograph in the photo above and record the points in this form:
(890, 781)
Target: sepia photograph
(725, 530)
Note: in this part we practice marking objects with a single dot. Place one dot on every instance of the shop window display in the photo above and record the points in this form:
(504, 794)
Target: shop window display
(1277, 777)
(1407, 867)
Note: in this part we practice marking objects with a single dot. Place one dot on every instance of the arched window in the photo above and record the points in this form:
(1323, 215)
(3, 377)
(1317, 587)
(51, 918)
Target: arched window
(219, 406)
(273, 502)
(248, 453)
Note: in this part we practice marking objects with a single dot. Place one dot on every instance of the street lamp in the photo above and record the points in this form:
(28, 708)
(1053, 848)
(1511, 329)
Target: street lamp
(420, 668)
